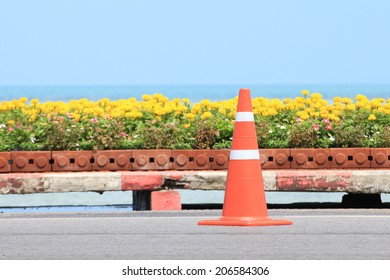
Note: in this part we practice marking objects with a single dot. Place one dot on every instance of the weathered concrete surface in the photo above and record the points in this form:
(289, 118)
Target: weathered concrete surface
(14, 183)
(351, 181)
(201, 180)
(330, 180)
(376, 181)
(79, 182)
(165, 200)
(142, 180)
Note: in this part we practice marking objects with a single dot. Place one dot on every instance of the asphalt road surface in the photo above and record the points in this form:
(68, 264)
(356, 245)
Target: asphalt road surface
(330, 234)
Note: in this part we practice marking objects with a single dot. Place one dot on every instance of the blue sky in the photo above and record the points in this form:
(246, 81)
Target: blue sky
(125, 42)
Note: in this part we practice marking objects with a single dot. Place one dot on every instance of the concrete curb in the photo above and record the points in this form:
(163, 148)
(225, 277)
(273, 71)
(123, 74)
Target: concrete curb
(351, 181)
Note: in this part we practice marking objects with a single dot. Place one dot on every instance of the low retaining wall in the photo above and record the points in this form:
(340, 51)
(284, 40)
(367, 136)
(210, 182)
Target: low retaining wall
(350, 181)
(158, 160)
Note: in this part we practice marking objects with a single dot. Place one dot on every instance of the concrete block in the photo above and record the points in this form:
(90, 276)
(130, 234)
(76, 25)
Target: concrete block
(165, 200)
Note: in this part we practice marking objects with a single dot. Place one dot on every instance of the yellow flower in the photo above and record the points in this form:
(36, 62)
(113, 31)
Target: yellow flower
(206, 115)
(159, 111)
(346, 100)
(332, 117)
(205, 102)
(305, 116)
(186, 125)
(337, 99)
(15, 103)
(372, 117)
(146, 97)
(160, 98)
(305, 92)
(176, 100)
(316, 95)
(376, 103)
(180, 109)
(381, 109)
(271, 111)
(88, 111)
(76, 116)
(116, 114)
(222, 110)
(23, 99)
(186, 101)
(104, 102)
(337, 112)
(381, 100)
(360, 97)
(215, 105)
(196, 109)
(190, 116)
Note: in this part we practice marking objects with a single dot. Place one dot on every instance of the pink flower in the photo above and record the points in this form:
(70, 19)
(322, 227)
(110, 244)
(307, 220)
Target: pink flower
(124, 134)
(316, 127)
(95, 120)
(10, 129)
(326, 121)
(299, 120)
(328, 127)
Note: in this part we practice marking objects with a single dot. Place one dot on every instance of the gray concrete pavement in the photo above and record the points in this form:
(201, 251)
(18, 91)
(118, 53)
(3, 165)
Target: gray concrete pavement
(315, 234)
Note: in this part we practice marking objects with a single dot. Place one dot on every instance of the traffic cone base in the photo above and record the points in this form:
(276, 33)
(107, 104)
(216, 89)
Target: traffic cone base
(242, 221)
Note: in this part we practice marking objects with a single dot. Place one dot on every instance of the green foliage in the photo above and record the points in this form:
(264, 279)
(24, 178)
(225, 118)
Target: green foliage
(303, 123)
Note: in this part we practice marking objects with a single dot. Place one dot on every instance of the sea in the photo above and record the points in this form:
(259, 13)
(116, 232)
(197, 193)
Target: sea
(194, 92)
(122, 201)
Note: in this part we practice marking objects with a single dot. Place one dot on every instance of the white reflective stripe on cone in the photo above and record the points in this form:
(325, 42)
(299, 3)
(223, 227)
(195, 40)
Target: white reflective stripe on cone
(244, 154)
(244, 117)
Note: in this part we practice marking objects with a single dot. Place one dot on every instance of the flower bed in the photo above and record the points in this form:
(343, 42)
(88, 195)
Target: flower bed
(306, 121)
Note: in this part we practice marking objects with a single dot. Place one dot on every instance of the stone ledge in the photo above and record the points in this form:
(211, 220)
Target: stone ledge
(351, 181)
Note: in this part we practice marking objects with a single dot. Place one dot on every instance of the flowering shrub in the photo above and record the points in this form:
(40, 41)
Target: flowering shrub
(155, 122)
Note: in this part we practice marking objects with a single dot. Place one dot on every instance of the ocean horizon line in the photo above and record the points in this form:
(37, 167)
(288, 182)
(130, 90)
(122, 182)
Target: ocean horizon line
(192, 84)
(195, 93)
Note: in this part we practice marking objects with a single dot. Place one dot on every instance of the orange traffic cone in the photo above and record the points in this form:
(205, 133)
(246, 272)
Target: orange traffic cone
(244, 203)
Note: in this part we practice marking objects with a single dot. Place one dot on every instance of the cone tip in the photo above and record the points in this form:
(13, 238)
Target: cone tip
(245, 90)
(244, 101)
